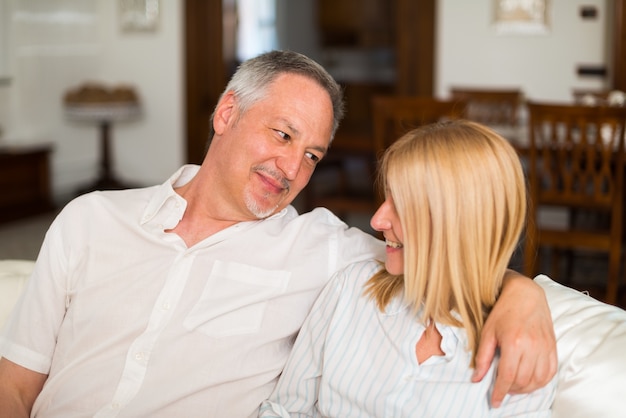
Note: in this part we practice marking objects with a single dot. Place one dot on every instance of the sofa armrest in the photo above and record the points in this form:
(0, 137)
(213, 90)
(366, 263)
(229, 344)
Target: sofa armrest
(13, 277)
(591, 346)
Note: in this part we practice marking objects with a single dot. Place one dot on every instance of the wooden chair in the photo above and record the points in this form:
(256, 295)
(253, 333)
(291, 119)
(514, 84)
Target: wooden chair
(599, 97)
(590, 97)
(496, 108)
(392, 116)
(576, 162)
(492, 107)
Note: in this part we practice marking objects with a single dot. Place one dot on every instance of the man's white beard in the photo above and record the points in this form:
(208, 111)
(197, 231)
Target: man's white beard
(257, 211)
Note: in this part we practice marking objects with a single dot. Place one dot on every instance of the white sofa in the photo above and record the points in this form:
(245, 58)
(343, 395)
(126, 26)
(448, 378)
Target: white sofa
(591, 344)
(13, 277)
(591, 339)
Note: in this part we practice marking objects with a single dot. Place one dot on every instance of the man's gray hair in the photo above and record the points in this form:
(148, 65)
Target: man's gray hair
(253, 77)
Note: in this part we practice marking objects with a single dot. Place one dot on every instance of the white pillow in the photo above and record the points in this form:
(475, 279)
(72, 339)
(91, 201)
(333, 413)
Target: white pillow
(13, 277)
(591, 345)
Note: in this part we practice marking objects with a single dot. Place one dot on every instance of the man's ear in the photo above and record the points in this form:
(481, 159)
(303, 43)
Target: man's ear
(224, 112)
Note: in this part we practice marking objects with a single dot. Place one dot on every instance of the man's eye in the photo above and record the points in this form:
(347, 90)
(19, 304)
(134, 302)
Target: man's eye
(283, 135)
(312, 156)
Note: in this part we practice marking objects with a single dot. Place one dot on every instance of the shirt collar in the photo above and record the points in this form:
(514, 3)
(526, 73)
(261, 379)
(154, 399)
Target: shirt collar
(452, 337)
(166, 196)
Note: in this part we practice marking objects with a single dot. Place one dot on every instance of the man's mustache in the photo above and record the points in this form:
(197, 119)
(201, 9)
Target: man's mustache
(284, 183)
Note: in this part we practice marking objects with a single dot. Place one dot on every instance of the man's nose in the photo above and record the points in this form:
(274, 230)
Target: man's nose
(290, 163)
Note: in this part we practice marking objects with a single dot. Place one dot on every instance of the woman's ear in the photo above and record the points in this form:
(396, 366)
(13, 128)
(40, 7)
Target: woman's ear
(224, 112)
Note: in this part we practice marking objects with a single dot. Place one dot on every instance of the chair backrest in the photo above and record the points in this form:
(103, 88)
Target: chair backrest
(393, 116)
(599, 97)
(576, 155)
(590, 97)
(491, 107)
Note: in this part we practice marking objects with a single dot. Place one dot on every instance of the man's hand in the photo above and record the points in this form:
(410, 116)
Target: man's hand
(521, 325)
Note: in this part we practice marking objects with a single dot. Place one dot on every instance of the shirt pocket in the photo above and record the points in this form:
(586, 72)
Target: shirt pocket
(235, 298)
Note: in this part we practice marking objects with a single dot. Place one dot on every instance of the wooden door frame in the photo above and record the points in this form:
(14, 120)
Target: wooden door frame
(618, 61)
(415, 23)
(205, 73)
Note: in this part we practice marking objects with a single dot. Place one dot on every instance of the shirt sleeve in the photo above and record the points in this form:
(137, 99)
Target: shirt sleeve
(29, 338)
(297, 390)
(356, 246)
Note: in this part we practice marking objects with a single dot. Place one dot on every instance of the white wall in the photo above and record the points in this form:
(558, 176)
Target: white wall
(57, 45)
(471, 52)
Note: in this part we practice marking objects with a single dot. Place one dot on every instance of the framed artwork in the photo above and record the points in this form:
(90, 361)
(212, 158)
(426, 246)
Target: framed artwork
(139, 15)
(521, 16)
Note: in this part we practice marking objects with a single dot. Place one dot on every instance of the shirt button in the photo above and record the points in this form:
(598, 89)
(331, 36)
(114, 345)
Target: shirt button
(139, 356)
(165, 306)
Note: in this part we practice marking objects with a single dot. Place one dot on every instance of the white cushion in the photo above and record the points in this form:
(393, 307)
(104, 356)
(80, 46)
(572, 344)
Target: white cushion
(591, 345)
(13, 277)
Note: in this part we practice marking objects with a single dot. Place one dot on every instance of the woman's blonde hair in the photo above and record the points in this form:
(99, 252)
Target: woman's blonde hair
(459, 190)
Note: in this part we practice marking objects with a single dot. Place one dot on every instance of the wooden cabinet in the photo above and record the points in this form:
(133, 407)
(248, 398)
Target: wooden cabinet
(405, 27)
(357, 41)
(355, 23)
(375, 47)
(24, 181)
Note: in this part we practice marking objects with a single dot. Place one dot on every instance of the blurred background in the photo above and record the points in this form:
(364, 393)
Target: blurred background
(178, 60)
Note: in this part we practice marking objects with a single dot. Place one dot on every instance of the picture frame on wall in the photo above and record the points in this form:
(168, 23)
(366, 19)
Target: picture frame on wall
(521, 16)
(139, 15)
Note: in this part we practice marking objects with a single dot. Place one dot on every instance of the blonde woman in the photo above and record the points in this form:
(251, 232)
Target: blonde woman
(400, 341)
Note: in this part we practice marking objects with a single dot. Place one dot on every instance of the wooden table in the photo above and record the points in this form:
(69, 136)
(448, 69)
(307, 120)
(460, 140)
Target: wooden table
(104, 115)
